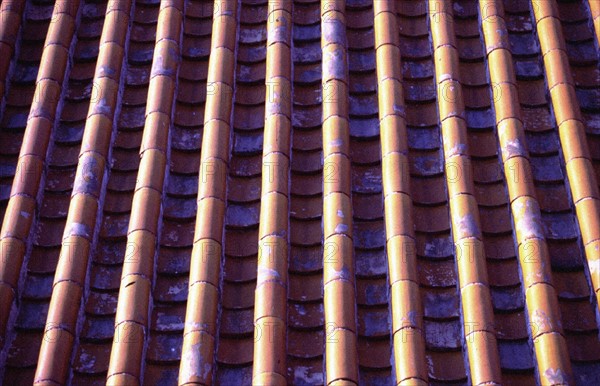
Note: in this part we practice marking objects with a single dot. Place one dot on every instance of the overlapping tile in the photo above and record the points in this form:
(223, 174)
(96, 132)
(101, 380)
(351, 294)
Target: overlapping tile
(32, 161)
(131, 320)
(88, 188)
(278, 116)
(475, 294)
(270, 312)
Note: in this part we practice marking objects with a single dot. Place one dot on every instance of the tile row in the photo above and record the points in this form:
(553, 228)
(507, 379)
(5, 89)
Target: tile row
(31, 163)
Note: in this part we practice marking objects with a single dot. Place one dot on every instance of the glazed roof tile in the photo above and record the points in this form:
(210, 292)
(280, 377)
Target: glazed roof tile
(299, 192)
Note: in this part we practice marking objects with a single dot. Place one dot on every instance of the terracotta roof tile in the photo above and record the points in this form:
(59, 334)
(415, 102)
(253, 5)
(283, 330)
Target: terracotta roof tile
(306, 192)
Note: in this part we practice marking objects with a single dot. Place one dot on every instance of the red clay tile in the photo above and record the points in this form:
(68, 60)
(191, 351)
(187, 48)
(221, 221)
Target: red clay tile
(402, 210)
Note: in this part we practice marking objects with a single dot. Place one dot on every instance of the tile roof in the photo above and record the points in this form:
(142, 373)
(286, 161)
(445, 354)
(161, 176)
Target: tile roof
(302, 192)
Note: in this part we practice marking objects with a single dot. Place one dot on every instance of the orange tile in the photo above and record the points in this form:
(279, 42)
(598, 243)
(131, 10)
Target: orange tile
(276, 167)
(223, 25)
(534, 259)
(53, 74)
(273, 203)
(406, 306)
(207, 225)
(388, 62)
(588, 213)
(196, 346)
(477, 314)
(125, 357)
(494, 28)
(270, 335)
(272, 303)
(58, 344)
(469, 255)
(501, 68)
(337, 209)
(272, 261)
(139, 251)
(484, 346)
(338, 263)
(134, 293)
(395, 171)
(12, 251)
(220, 68)
(301, 157)
(555, 60)
(459, 173)
(464, 211)
(543, 9)
(400, 205)
(556, 369)
(402, 264)
(336, 135)
(573, 141)
(519, 179)
(564, 102)
(208, 254)
(409, 346)
(340, 363)
(383, 34)
(446, 66)
(202, 309)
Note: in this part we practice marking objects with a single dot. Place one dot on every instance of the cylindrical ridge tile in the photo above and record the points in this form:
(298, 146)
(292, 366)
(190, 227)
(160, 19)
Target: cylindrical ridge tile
(126, 355)
(554, 366)
(272, 260)
(269, 352)
(336, 174)
(406, 306)
(483, 345)
(339, 346)
(402, 258)
(470, 257)
(534, 260)
(194, 369)
(202, 310)
(338, 262)
(273, 300)
(206, 253)
(198, 352)
(398, 214)
(275, 176)
(477, 312)
(337, 208)
(588, 211)
(19, 215)
(134, 293)
(336, 136)
(339, 301)
(543, 310)
(409, 354)
(210, 219)
(396, 174)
